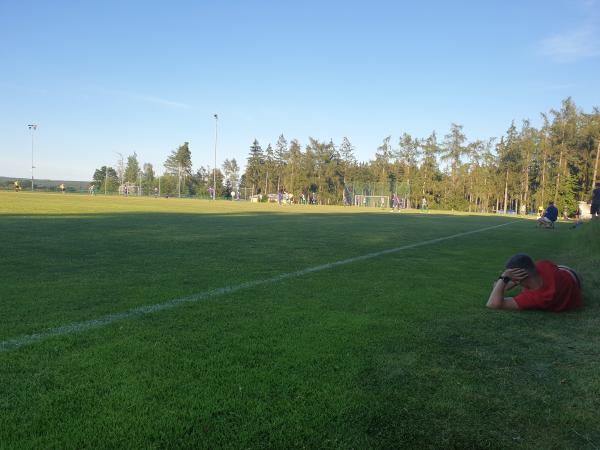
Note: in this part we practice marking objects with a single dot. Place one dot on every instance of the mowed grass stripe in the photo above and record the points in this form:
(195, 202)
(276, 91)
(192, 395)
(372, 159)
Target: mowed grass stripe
(78, 327)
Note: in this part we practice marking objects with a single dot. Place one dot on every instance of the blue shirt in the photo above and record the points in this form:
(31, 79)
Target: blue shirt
(552, 213)
(596, 196)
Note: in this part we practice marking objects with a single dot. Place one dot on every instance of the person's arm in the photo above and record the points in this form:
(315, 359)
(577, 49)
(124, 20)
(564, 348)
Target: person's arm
(497, 299)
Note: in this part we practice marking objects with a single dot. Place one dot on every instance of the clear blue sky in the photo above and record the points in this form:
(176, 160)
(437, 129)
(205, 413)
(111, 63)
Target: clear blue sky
(123, 76)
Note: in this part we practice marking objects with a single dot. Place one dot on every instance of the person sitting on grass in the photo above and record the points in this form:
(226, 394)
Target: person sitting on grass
(549, 217)
(546, 286)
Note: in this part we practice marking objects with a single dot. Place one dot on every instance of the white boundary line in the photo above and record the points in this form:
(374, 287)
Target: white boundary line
(78, 327)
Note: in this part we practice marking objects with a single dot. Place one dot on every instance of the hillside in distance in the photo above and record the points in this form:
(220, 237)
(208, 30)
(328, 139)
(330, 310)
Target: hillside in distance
(44, 184)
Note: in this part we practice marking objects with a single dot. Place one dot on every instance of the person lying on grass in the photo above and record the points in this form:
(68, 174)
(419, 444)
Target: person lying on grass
(545, 286)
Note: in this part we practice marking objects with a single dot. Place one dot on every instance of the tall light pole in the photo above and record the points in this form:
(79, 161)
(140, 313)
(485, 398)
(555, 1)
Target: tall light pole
(32, 127)
(215, 168)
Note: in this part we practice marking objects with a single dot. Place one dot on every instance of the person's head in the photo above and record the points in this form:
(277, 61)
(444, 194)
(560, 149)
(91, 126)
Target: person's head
(522, 261)
(550, 203)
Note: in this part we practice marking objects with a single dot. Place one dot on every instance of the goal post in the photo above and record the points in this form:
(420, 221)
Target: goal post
(371, 193)
(372, 201)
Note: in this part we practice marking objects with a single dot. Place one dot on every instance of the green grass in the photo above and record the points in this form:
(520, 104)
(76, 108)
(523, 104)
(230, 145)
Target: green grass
(392, 352)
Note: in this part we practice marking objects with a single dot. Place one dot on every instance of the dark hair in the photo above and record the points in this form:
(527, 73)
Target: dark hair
(551, 202)
(522, 261)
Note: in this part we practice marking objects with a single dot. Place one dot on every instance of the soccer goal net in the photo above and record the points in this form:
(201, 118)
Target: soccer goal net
(372, 201)
(129, 189)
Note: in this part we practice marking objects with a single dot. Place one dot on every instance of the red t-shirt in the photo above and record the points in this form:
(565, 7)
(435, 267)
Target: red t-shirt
(559, 292)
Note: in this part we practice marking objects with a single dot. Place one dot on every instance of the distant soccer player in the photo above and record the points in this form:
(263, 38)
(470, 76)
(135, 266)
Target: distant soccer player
(546, 286)
(395, 202)
(346, 197)
(549, 217)
(595, 209)
(424, 204)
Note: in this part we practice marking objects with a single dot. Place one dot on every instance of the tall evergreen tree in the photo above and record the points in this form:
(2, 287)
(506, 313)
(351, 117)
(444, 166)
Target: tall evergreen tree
(254, 167)
(180, 161)
(430, 150)
(407, 155)
(453, 150)
(280, 156)
(270, 169)
(383, 156)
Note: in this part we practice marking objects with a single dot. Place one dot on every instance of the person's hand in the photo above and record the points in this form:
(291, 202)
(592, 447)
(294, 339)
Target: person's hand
(516, 275)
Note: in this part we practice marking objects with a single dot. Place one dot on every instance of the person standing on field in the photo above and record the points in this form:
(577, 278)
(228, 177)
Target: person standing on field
(395, 202)
(595, 209)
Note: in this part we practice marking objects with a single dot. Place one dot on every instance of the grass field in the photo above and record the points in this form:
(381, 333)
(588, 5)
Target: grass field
(392, 351)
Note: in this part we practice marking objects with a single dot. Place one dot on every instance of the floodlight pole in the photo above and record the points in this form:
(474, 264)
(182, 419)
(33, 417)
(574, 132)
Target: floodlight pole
(215, 168)
(32, 127)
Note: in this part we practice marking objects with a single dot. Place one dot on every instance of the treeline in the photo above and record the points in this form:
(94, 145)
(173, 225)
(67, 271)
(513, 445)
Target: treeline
(523, 169)
(178, 178)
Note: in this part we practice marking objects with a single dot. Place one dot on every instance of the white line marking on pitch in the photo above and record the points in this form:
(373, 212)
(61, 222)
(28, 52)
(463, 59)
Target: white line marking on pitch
(78, 327)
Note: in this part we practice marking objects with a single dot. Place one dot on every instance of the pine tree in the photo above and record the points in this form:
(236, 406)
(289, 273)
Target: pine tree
(254, 167)
(179, 161)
